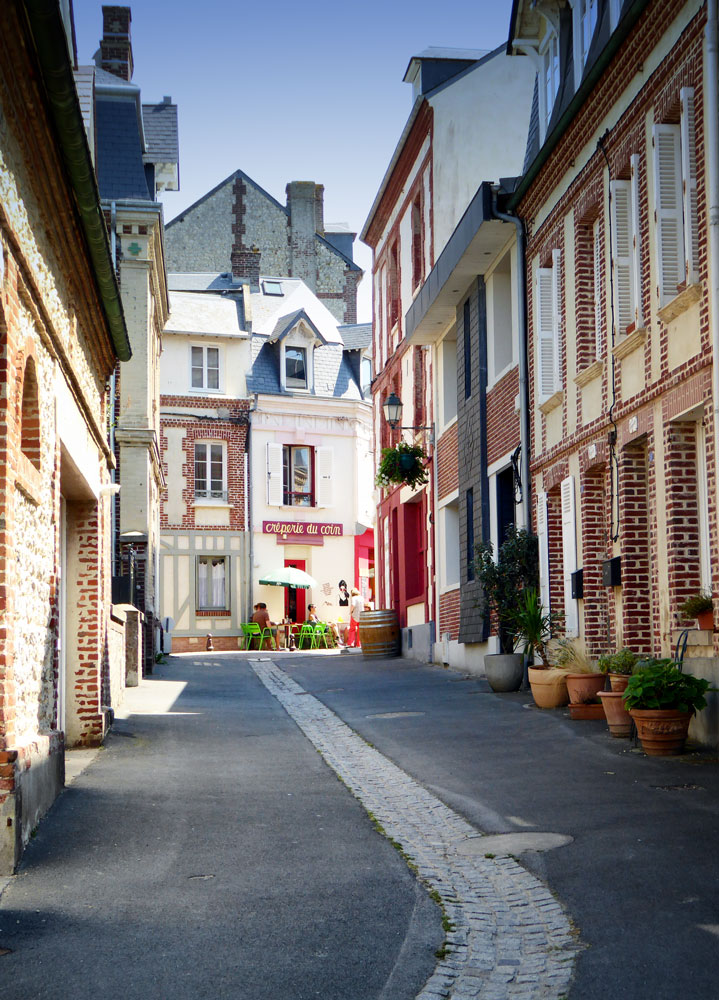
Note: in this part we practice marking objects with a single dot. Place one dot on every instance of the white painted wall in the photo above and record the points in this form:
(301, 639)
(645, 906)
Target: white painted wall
(175, 368)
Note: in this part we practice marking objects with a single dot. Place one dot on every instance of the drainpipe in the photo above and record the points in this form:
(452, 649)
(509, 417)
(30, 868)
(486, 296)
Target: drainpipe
(113, 390)
(523, 356)
(248, 506)
(712, 175)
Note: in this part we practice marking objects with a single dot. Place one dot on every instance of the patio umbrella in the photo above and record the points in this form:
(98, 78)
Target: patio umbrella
(288, 576)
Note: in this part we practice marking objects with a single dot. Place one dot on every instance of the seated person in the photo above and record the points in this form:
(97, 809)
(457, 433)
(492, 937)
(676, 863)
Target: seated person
(312, 619)
(262, 618)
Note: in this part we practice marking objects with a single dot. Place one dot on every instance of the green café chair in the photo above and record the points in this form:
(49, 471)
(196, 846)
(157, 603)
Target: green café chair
(250, 630)
(306, 633)
(319, 635)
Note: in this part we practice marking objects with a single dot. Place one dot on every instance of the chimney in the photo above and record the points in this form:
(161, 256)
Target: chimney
(305, 203)
(115, 46)
(320, 209)
(246, 264)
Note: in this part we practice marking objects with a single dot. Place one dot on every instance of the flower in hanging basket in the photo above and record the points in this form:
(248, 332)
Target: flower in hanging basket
(402, 465)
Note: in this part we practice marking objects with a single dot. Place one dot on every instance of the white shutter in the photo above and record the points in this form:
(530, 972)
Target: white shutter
(668, 209)
(689, 185)
(598, 302)
(543, 542)
(274, 474)
(622, 255)
(546, 331)
(324, 460)
(636, 248)
(569, 556)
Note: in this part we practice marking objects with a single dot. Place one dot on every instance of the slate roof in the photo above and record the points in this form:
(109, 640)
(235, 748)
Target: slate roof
(201, 281)
(205, 315)
(356, 336)
(120, 171)
(161, 139)
(85, 86)
(270, 312)
(333, 373)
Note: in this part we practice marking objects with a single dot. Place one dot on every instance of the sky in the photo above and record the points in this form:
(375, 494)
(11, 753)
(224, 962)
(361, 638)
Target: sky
(289, 91)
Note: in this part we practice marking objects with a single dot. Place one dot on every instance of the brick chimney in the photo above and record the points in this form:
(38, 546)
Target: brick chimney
(115, 46)
(246, 264)
(305, 203)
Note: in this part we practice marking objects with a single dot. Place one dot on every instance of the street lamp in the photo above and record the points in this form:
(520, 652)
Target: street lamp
(392, 407)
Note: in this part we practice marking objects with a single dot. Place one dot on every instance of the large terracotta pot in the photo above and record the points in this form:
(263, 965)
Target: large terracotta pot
(705, 620)
(618, 682)
(504, 671)
(662, 731)
(618, 718)
(584, 688)
(549, 687)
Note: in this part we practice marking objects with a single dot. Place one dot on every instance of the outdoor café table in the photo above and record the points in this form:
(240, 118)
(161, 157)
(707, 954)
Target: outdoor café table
(286, 635)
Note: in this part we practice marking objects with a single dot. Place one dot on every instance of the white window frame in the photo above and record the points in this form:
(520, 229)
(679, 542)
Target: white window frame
(675, 201)
(584, 22)
(204, 388)
(494, 375)
(208, 444)
(450, 542)
(548, 328)
(549, 77)
(298, 339)
(205, 558)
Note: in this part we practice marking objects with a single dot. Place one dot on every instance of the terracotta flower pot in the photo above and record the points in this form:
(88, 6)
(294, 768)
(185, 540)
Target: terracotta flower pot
(583, 688)
(662, 731)
(705, 620)
(586, 710)
(549, 687)
(618, 682)
(618, 718)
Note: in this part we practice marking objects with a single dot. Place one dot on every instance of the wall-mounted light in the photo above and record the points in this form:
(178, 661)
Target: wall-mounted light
(392, 407)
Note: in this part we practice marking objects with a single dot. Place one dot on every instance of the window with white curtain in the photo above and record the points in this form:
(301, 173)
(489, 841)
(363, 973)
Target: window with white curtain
(211, 583)
(210, 471)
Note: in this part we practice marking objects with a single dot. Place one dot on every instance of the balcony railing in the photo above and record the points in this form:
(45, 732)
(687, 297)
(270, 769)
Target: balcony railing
(211, 495)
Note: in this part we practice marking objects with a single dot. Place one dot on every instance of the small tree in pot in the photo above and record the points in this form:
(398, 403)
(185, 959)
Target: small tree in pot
(515, 570)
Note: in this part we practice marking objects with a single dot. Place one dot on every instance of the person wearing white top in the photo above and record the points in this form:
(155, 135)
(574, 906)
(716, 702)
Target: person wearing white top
(358, 606)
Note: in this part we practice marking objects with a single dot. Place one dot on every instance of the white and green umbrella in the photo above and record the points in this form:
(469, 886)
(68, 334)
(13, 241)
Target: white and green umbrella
(288, 576)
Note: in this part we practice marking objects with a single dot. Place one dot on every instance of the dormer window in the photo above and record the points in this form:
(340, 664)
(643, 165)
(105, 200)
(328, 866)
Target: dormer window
(551, 75)
(584, 22)
(296, 367)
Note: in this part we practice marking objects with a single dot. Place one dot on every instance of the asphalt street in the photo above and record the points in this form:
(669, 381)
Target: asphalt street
(209, 851)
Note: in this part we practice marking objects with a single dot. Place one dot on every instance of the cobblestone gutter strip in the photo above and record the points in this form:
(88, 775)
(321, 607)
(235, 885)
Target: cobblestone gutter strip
(510, 939)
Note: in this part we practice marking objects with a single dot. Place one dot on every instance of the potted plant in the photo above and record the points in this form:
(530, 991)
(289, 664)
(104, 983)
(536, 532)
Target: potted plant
(515, 569)
(618, 666)
(402, 465)
(536, 629)
(701, 607)
(584, 681)
(661, 700)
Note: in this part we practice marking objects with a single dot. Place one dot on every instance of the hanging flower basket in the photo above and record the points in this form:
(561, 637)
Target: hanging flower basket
(403, 465)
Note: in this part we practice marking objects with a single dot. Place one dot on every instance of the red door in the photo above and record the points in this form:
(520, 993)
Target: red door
(295, 596)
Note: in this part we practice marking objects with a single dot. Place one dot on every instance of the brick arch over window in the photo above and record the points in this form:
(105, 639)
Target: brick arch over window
(30, 415)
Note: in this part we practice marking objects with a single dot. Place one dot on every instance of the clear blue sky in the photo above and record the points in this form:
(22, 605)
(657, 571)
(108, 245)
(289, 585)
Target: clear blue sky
(289, 91)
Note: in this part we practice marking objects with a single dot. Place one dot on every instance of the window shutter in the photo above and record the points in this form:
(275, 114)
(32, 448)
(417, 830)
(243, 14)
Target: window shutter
(323, 471)
(598, 302)
(274, 474)
(543, 544)
(636, 246)
(569, 556)
(668, 209)
(689, 184)
(622, 255)
(546, 331)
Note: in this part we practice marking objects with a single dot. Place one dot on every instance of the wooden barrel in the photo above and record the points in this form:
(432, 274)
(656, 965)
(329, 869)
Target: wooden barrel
(379, 633)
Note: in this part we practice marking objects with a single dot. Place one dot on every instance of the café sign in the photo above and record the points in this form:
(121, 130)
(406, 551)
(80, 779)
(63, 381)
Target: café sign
(301, 529)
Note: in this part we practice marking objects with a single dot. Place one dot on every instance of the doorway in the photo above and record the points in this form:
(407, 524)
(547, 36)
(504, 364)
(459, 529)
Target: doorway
(295, 596)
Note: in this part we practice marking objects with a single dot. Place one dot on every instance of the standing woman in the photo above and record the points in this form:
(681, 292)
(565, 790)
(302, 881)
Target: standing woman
(358, 607)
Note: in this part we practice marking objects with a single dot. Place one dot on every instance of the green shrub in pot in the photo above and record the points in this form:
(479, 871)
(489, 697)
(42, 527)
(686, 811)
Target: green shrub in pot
(661, 685)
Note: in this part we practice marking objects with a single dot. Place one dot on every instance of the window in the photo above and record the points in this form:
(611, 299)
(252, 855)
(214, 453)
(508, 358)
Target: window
(547, 321)
(675, 200)
(550, 76)
(626, 251)
(584, 23)
(211, 583)
(469, 554)
(417, 248)
(272, 287)
(210, 478)
(450, 554)
(467, 352)
(500, 316)
(296, 367)
(205, 363)
(393, 292)
(30, 426)
(299, 476)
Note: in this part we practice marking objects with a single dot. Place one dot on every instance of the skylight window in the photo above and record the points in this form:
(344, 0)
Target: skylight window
(272, 287)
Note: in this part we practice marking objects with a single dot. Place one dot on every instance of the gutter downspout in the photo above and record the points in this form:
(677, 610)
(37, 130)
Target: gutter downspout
(113, 391)
(524, 423)
(712, 120)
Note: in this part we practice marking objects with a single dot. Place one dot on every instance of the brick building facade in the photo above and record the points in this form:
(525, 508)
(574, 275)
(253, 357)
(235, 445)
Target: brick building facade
(62, 331)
